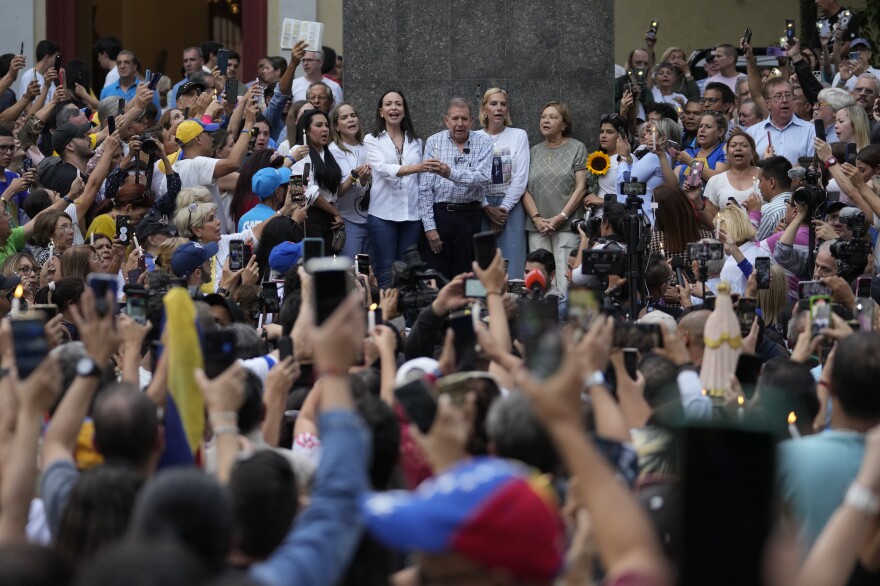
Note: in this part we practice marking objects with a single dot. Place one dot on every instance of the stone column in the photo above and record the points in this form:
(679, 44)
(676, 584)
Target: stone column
(436, 49)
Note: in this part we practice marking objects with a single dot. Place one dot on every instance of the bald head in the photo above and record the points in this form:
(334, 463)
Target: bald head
(690, 330)
(126, 425)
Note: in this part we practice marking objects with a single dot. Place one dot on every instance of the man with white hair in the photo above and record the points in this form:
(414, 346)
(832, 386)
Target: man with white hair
(866, 91)
(311, 64)
(830, 101)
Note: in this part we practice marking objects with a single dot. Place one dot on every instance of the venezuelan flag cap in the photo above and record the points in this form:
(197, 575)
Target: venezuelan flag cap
(486, 509)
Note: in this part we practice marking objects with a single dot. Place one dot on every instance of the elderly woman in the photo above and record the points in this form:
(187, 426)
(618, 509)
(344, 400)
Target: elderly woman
(198, 221)
(684, 81)
(738, 235)
(557, 185)
(510, 173)
(831, 100)
(53, 228)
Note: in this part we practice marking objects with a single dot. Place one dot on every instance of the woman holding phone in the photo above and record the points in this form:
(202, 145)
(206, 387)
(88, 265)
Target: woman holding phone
(510, 172)
(654, 168)
(394, 154)
(709, 149)
(323, 177)
(737, 182)
(348, 149)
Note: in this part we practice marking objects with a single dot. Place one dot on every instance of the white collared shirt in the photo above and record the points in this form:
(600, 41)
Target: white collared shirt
(391, 197)
(731, 273)
(791, 142)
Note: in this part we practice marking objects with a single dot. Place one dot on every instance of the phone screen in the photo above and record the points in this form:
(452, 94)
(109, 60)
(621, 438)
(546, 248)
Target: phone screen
(362, 262)
(820, 313)
(236, 255)
(484, 248)
(540, 333)
(219, 349)
(820, 129)
(474, 288)
(462, 324)
(331, 289)
(418, 403)
(269, 297)
(312, 248)
(631, 361)
(807, 289)
(101, 284)
(745, 313)
(111, 124)
(863, 287)
(30, 345)
(136, 305)
(762, 272)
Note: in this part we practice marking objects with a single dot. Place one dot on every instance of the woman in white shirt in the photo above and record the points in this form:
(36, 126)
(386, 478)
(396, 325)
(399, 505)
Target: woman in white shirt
(738, 235)
(394, 154)
(324, 173)
(739, 181)
(510, 174)
(348, 149)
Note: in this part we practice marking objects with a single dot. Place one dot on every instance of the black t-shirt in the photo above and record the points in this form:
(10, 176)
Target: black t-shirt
(852, 30)
(62, 176)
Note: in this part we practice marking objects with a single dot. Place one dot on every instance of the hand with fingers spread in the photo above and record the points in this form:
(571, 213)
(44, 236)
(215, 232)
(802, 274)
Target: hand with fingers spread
(388, 300)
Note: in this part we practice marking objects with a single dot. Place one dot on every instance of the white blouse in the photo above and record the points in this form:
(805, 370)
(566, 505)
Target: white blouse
(391, 197)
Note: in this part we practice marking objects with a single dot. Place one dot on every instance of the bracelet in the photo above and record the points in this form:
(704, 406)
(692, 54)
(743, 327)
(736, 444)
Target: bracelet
(223, 291)
(223, 416)
(226, 430)
(244, 132)
(862, 499)
(564, 215)
(538, 215)
(493, 293)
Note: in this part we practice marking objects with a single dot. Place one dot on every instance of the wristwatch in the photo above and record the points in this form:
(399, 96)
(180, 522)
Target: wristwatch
(862, 499)
(223, 291)
(87, 367)
(830, 162)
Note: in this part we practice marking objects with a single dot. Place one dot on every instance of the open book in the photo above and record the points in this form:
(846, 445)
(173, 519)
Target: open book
(294, 30)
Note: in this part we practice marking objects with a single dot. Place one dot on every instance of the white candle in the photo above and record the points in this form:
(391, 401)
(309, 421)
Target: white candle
(792, 428)
(16, 300)
(371, 318)
(92, 238)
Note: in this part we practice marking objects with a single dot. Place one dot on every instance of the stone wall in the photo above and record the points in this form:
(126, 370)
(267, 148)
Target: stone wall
(433, 50)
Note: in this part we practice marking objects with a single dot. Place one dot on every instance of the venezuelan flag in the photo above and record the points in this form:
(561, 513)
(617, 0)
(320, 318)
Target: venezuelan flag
(186, 404)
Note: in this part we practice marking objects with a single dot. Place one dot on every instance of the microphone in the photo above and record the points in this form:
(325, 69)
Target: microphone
(535, 282)
(678, 266)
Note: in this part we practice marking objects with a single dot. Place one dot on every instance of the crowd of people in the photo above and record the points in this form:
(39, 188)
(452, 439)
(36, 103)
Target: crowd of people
(249, 336)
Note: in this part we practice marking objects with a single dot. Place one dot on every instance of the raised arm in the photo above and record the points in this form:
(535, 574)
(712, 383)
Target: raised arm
(233, 162)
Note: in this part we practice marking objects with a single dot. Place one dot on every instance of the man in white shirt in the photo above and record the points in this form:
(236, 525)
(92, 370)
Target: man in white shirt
(311, 65)
(45, 54)
(107, 49)
(782, 133)
(725, 57)
(197, 167)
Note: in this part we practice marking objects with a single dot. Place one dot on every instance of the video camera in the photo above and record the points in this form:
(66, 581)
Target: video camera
(410, 278)
(603, 262)
(810, 195)
(851, 256)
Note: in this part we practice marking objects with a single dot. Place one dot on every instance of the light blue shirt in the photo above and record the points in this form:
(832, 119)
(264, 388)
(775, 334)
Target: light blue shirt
(256, 215)
(646, 170)
(791, 142)
(115, 89)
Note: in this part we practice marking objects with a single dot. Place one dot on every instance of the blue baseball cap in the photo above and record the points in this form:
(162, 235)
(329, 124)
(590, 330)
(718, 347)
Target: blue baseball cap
(266, 181)
(190, 256)
(284, 256)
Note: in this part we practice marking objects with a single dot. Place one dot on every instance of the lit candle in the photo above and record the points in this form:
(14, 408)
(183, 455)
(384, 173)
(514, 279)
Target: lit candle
(740, 412)
(371, 318)
(792, 428)
(16, 300)
(92, 239)
(137, 245)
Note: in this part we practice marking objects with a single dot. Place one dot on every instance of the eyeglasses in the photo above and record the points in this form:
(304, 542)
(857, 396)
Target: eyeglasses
(610, 118)
(190, 208)
(64, 228)
(24, 271)
(7, 148)
(709, 100)
(782, 97)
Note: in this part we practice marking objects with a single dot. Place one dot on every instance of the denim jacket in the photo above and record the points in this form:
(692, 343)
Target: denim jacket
(323, 539)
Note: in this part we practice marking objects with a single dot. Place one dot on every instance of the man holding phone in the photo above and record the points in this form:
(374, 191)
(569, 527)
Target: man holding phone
(453, 193)
(74, 147)
(856, 62)
(192, 262)
(45, 54)
(782, 133)
(126, 86)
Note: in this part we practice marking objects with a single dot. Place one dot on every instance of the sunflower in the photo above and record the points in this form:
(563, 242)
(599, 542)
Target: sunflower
(598, 163)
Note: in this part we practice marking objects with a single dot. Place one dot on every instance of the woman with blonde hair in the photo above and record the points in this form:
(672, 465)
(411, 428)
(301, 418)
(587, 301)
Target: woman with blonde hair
(347, 146)
(77, 262)
(684, 81)
(853, 126)
(773, 300)
(510, 172)
(738, 235)
(166, 249)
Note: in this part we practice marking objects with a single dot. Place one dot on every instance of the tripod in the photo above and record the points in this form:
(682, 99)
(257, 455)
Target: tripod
(636, 247)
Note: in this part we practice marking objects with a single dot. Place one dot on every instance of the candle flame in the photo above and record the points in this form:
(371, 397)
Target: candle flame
(19, 291)
(374, 307)
(792, 418)
(740, 400)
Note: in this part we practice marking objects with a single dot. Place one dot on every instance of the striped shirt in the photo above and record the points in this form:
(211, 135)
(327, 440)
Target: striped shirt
(471, 171)
(771, 213)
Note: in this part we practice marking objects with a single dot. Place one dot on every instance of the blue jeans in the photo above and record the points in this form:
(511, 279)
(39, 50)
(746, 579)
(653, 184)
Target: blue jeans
(389, 240)
(512, 240)
(357, 240)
